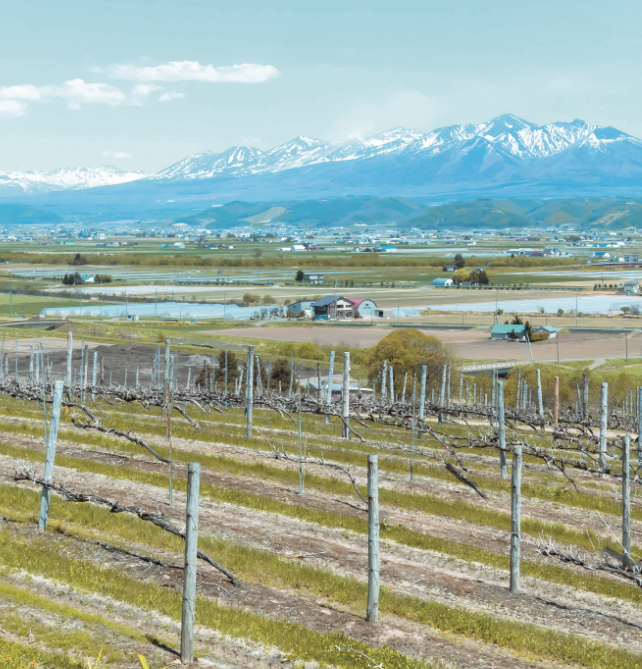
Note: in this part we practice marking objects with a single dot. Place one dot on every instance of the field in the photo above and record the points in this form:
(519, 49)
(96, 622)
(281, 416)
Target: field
(97, 580)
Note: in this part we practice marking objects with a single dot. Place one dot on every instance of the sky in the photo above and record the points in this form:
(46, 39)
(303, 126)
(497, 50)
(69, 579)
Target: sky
(141, 84)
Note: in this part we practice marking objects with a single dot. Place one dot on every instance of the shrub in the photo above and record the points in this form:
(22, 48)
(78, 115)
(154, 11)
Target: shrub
(309, 351)
(540, 336)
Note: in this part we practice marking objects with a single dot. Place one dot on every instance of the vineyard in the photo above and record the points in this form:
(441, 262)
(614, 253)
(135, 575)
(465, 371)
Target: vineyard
(508, 521)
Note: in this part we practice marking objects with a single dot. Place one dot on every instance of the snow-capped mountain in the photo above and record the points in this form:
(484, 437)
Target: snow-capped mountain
(505, 156)
(505, 135)
(66, 178)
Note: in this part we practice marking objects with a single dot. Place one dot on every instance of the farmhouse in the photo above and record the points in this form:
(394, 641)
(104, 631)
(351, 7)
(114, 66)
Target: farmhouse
(313, 278)
(330, 307)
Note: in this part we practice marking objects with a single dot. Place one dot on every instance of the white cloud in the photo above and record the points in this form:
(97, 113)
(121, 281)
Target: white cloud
(11, 108)
(187, 70)
(26, 92)
(170, 95)
(116, 155)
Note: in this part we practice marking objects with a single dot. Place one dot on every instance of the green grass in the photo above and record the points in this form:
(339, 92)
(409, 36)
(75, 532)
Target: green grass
(303, 644)
(15, 656)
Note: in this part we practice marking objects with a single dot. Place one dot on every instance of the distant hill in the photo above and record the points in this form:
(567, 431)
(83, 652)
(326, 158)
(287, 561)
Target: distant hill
(20, 214)
(482, 213)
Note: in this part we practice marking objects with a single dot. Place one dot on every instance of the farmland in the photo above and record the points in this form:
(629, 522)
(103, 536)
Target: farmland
(100, 580)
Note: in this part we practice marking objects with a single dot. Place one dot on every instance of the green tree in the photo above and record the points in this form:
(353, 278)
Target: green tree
(257, 253)
(232, 369)
(299, 276)
(408, 350)
(460, 263)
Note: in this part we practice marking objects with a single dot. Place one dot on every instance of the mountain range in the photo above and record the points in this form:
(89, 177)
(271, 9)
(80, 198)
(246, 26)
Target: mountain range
(505, 157)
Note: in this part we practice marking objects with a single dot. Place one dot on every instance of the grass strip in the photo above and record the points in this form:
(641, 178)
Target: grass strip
(300, 643)
(303, 644)
(90, 518)
(15, 656)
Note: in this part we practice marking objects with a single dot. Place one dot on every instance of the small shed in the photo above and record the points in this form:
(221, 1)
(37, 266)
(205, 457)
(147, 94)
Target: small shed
(442, 283)
(504, 331)
(548, 329)
(363, 306)
(449, 268)
(297, 247)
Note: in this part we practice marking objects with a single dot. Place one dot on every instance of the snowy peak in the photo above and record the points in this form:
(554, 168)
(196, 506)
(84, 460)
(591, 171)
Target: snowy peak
(66, 178)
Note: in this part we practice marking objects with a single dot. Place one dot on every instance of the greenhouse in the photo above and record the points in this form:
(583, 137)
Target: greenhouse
(168, 311)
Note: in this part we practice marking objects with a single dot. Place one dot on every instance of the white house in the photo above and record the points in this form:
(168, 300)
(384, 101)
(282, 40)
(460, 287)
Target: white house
(297, 247)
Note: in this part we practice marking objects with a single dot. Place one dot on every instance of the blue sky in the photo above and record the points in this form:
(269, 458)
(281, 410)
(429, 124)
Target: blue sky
(143, 83)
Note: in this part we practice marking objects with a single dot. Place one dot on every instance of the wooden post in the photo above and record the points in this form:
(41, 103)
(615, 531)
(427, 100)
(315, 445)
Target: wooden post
(501, 429)
(384, 379)
(330, 381)
(250, 388)
(346, 394)
(68, 377)
(319, 380)
(461, 387)
(604, 408)
(291, 373)
(540, 404)
(585, 395)
(51, 455)
(226, 388)
(392, 384)
(403, 391)
(515, 523)
(448, 387)
(422, 396)
(189, 574)
(167, 362)
(300, 449)
(412, 438)
(626, 496)
(639, 426)
(373, 539)
(557, 400)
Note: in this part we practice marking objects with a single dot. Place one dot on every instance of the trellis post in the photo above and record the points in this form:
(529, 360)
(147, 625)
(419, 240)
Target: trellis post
(626, 497)
(515, 521)
(70, 341)
(373, 539)
(501, 429)
(639, 426)
(557, 401)
(346, 394)
(330, 380)
(45, 499)
(604, 402)
(191, 554)
(422, 396)
(540, 403)
(249, 384)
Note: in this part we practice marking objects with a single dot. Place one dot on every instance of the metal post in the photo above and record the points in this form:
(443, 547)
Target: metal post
(226, 389)
(557, 400)
(31, 366)
(384, 378)
(250, 388)
(585, 389)
(330, 381)
(515, 524)
(392, 384)
(448, 387)
(626, 496)
(501, 429)
(403, 391)
(373, 539)
(291, 373)
(191, 554)
(346, 394)
(51, 455)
